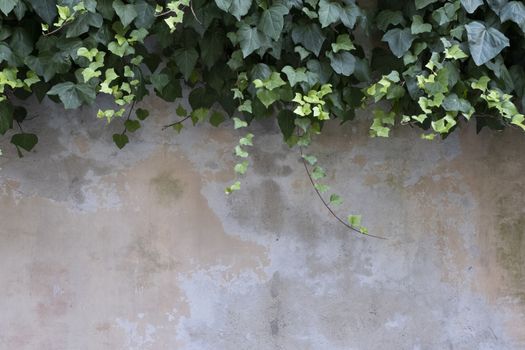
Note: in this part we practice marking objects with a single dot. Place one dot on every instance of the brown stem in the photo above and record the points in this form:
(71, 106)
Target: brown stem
(173, 124)
(326, 204)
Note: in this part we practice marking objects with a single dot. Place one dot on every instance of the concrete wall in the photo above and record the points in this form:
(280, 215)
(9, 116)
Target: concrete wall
(140, 248)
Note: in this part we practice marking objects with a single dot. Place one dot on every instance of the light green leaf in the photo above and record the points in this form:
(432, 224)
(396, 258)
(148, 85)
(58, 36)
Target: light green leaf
(354, 220)
(418, 26)
(484, 43)
(235, 187)
(312, 160)
(342, 42)
(237, 123)
(239, 152)
(399, 40)
(336, 199)
(454, 52)
(240, 168)
(318, 173)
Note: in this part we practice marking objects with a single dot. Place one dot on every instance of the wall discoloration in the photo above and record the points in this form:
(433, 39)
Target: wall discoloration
(141, 249)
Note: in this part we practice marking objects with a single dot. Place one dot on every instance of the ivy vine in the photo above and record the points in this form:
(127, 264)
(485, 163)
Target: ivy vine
(437, 64)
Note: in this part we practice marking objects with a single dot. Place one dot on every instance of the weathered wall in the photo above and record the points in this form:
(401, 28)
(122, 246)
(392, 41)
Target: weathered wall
(140, 248)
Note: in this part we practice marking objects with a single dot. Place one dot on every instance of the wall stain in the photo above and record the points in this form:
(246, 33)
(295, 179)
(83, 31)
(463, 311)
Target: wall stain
(167, 187)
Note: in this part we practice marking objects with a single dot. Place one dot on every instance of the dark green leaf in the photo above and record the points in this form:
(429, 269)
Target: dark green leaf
(272, 21)
(309, 36)
(423, 3)
(120, 140)
(7, 6)
(399, 40)
(81, 24)
(329, 12)
(250, 39)
(6, 116)
(132, 125)
(514, 11)
(185, 60)
(237, 8)
(24, 141)
(142, 113)
(46, 9)
(127, 13)
(342, 62)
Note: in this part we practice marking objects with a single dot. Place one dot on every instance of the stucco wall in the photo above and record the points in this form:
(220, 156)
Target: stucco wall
(141, 249)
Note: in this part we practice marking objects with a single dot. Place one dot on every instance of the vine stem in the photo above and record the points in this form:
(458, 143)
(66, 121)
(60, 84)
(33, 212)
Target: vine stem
(326, 204)
(172, 124)
(129, 115)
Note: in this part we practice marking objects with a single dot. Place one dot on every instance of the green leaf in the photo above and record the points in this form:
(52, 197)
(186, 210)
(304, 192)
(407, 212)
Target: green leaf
(496, 5)
(423, 3)
(455, 52)
(272, 21)
(484, 43)
(127, 13)
(386, 18)
(336, 199)
(24, 141)
(454, 103)
(234, 187)
(309, 36)
(418, 26)
(250, 39)
(312, 160)
(354, 220)
(318, 173)
(7, 6)
(186, 59)
(240, 168)
(515, 12)
(239, 152)
(120, 140)
(329, 12)
(321, 187)
(81, 24)
(399, 40)
(46, 9)
(295, 76)
(471, 5)
(159, 81)
(142, 113)
(216, 119)
(6, 117)
(267, 97)
(73, 95)
(181, 111)
(237, 123)
(237, 8)
(343, 63)
(132, 125)
(343, 43)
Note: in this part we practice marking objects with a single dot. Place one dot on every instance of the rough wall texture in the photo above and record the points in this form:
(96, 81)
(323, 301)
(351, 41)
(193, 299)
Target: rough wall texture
(140, 248)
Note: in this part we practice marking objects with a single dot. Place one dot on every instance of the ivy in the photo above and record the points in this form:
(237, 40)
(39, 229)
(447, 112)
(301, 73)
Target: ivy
(441, 63)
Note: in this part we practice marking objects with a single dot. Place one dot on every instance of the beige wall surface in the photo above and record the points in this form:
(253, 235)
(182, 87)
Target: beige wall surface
(141, 249)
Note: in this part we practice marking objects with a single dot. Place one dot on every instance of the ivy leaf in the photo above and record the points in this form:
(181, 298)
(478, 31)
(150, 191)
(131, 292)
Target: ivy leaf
(418, 26)
(142, 113)
(216, 119)
(309, 36)
(272, 21)
(24, 141)
(514, 11)
(6, 117)
(484, 43)
(267, 97)
(496, 5)
(343, 62)
(399, 40)
(240, 168)
(342, 42)
(295, 75)
(329, 12)
(386, 18)
(237, 8)
(312, 160)
(318, 173)
(238, 123)
(354, 220)
(7, 6)
(46, 9)
(186, 59)
(127, 13)
(453, 103)
(336, 199)
(250, 39)
(132, 125)
(471, 5)
(120, 140)
(82, 23)
(350, 14)
(72, 95)
(423, 3)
